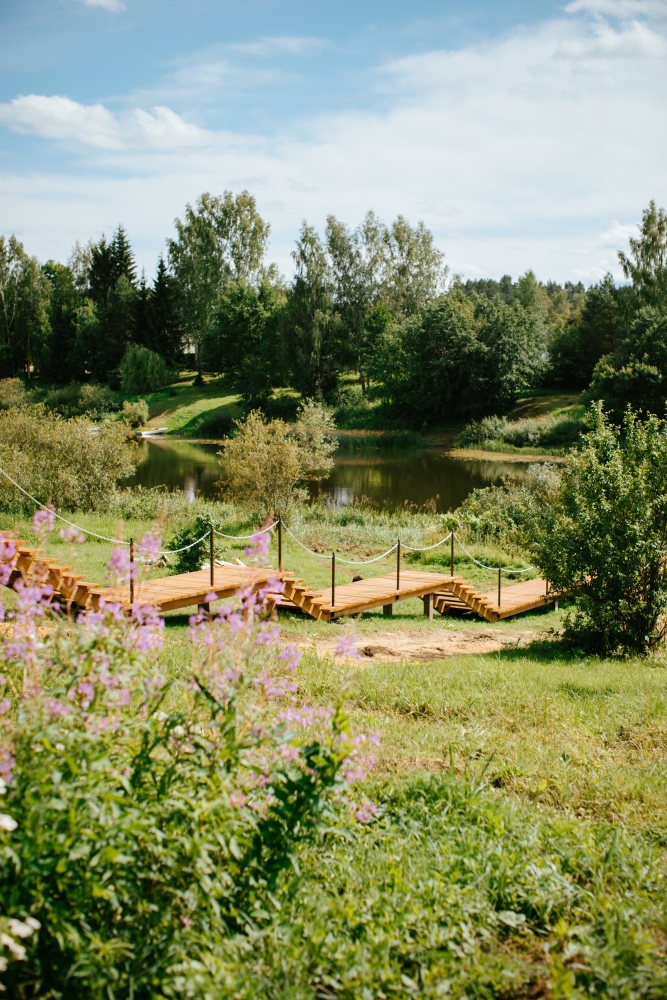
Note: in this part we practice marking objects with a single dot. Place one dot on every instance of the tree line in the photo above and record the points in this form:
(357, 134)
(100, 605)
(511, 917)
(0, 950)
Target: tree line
(375, 302)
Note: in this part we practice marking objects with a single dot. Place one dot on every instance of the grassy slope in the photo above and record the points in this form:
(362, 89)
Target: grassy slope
(182, 407)
(546, 803)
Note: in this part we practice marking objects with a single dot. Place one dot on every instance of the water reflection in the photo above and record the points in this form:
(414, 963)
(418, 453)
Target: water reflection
(392, 477)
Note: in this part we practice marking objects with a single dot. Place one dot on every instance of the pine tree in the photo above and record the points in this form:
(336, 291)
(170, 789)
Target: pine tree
(164, 333)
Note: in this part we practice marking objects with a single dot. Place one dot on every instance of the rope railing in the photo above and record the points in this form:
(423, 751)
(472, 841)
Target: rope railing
(260, 531)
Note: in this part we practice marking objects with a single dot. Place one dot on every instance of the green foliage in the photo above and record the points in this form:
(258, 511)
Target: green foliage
(587, 337)
(67, 462)
(502, 513)
(220, 241)
(463, 357)
(76, 400)
(454, 892)
(216, 425)
(245, 340)
(24, 298)
(12, 393)
(558, 430)
(135, 414)
(603, 538)
(150, 822)
(142, 370)
(195, 555)
(264, 463)
(635, 374)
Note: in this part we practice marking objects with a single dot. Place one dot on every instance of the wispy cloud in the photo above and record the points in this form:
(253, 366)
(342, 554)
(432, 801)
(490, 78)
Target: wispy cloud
(623, 9)
(290, 45)
(114, 5)
(56, 117)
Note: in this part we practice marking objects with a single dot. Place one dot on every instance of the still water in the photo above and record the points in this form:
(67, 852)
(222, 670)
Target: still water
(388, 476)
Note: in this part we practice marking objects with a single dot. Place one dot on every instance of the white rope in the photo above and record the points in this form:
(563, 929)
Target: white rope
(348, 562)
(115, 541)
(173, 552)
(260, 531)
(426, 548)
(492, 568)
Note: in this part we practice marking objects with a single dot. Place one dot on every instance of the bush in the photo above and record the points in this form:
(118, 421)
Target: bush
(142, 370)
(135, 414)
(76, 400)
(264, 463)
(194, 556)
(604, 540)
(216, 425)
(146, 823)
(552, 431)
(12, 393)
(70, 463)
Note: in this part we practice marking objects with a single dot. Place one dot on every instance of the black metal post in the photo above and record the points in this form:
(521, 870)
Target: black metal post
(280, 544)
(500, 574)
(211, 542)
(451, 565)
(132, 571)
(398, 566)
(333, 579)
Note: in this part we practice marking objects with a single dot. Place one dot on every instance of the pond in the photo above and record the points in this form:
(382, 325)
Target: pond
(390, 476)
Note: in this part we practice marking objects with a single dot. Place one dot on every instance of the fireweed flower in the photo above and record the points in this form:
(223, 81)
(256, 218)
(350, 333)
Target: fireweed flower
(43, 521)
(150, 546)
(348, 647)
(120, 568)
(71, 534)
(290, 656)
(258, 550)
(7, 762)
(366, 812)
(7, 554)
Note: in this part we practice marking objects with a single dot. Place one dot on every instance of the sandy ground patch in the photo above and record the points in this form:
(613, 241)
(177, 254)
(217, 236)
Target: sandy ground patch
(420, 644)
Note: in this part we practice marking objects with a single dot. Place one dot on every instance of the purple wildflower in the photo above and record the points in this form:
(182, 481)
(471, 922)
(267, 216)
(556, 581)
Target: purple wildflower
(42, 521)
(119, 566)
(366, 812)
(150, 546)
(7, 554)
(72, 534)
(348, 647)
(258, 550)
(290, 656)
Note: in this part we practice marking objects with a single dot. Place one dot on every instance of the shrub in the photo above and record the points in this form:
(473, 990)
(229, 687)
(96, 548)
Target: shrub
(135, 414)
(145, 822)
(70, 463)
(76, 400)
(216, 425)
(264, 463)
(194, 555)
(142, 370)
(12, 393)
(604, 540)
(553, 431)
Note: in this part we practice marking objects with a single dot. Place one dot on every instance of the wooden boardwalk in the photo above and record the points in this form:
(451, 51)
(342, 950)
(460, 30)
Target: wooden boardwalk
(440, 591)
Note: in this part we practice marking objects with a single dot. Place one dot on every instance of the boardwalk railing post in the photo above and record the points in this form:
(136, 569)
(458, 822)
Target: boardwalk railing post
(333, 579)
(500, 580)
(451, 567)
(280, 544)
(211, 541)
(398, 566)
(132, 571)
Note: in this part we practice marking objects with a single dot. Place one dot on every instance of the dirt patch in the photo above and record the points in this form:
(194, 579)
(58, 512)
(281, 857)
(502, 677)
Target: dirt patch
(420, 644)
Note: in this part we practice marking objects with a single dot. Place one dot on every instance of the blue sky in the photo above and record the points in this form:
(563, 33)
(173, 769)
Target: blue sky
(525, 134)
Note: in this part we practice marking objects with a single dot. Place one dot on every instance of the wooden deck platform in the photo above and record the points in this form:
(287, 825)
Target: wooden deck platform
(439, 591)
(188, 589)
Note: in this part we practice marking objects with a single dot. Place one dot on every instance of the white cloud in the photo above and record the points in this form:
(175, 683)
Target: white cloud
(287, 44)
(113, 5)
(518, 152)
(57, 117)
(619, 8)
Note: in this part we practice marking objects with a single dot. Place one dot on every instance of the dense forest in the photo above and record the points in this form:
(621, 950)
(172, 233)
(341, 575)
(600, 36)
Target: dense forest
(370, 312)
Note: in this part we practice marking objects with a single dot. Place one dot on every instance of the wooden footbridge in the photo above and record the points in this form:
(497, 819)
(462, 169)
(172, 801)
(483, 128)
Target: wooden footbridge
(442, 592)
